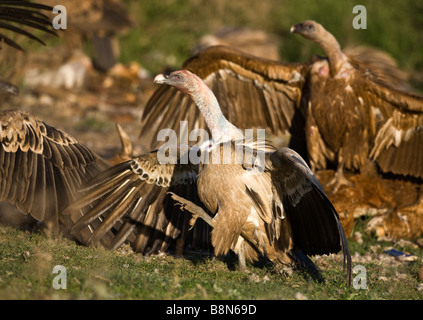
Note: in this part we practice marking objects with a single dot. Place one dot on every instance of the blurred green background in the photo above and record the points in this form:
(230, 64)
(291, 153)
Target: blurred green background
(168, 30)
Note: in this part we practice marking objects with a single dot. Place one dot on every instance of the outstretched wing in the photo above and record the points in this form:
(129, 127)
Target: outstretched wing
(316, 228)
(17, 15)
(252, 92)
(41, 168)
(133, 203)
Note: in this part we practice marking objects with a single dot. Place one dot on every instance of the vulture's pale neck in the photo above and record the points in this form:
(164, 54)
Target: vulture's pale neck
(330, 45)
(221, 129)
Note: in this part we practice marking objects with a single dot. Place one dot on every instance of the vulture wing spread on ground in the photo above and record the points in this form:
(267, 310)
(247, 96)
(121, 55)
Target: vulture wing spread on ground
(42, 168)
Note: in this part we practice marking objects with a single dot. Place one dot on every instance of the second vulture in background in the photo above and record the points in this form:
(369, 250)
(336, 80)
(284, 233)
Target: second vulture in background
(344, 107)
(354, 115)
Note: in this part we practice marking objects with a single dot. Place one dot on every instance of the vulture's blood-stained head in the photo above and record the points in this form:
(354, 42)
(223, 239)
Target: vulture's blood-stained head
(183, 80)
(308, 29)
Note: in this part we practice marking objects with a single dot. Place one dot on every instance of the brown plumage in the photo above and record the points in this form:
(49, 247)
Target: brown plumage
(356, 107)
(261, 201)
(126, 152)
(16, 16)
(266, 210)
(378, 64)
(43, 171)
(42, 168)
(352, 116)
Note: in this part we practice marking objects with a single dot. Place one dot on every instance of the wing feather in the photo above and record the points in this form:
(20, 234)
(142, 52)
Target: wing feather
(41, 167)
(15, 15)
(398, 119)
(314, 221)
(132, 201)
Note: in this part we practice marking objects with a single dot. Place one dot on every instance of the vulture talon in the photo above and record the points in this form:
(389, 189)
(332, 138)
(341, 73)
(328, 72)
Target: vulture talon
(195, 210)
(284, 270)
(192, 221)
(338, 181)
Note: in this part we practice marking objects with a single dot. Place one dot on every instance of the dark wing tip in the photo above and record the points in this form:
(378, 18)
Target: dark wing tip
(315, 223)
(16, 15)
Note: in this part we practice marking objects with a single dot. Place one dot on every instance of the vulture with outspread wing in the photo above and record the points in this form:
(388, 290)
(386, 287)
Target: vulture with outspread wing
(42, 169)
(355, 106)
(353, 116)
(131, 198)
(258, 200)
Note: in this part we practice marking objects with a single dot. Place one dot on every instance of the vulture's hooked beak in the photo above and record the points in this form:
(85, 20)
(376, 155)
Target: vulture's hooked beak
(295, 28)
(161, 78)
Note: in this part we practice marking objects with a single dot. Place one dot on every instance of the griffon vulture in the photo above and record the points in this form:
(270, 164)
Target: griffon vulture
(353, 117)
(259, 200)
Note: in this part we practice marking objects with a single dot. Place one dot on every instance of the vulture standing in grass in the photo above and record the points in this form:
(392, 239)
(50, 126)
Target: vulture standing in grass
(350, 109)
(262, 201)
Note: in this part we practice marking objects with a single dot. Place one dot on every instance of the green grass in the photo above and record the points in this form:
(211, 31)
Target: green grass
(27, 260)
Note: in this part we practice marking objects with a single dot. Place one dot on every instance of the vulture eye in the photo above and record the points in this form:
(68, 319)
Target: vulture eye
(310, 27)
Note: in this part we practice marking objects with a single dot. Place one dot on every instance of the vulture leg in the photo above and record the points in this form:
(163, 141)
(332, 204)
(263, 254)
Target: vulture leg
(242, 264)
(339, 179)
(180, 243)
(196, 211)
